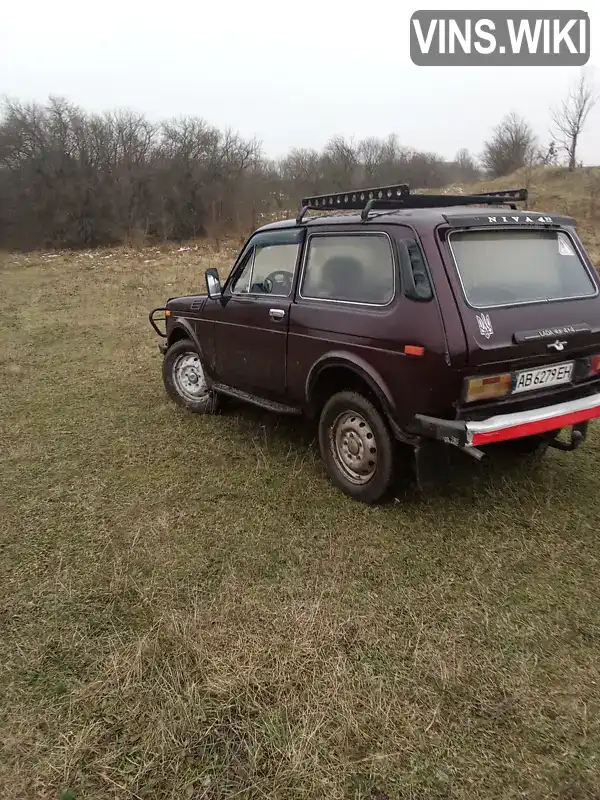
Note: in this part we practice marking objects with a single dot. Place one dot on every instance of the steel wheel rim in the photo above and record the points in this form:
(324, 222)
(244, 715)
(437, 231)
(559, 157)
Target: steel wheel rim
(188, 376)
(354, 447)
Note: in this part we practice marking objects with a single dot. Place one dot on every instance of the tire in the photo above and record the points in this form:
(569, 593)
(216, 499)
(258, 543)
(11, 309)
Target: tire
(184, 380)
(356, 446)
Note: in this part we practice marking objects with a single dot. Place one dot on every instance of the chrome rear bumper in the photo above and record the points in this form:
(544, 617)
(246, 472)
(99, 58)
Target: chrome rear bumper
(503, 427)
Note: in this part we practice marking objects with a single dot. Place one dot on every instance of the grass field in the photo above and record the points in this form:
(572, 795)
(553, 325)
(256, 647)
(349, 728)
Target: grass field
(189, 610)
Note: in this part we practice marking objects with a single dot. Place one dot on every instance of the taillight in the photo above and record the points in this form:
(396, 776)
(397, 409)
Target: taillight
(486, 387)
(594, 365)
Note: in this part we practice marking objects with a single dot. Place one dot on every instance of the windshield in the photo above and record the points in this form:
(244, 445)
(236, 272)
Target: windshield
(519, 266)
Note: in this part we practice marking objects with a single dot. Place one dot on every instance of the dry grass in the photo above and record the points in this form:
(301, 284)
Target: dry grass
(189, 610)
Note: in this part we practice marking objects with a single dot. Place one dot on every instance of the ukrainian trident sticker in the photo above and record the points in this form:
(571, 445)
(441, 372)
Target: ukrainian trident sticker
(485, 325)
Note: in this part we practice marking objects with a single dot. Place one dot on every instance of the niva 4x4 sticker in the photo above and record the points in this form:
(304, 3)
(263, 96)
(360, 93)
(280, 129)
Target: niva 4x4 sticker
(518, 219)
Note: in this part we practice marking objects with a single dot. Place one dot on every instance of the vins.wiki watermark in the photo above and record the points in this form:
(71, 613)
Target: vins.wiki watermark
(500, 38)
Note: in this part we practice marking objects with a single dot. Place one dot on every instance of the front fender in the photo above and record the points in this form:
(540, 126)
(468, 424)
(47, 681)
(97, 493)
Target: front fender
(183, 323)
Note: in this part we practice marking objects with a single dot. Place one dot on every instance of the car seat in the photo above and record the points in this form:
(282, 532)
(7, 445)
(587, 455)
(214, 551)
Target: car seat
(343, 279)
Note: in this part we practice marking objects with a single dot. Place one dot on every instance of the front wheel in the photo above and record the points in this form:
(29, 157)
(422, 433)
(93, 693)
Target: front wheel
(184, 379)
(356, 446)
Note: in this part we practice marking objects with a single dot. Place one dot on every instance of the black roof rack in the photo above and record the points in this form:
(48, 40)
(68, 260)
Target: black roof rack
(398, 196)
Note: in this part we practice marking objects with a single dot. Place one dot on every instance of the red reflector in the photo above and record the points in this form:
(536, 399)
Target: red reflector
(595, 364)
(414, 350)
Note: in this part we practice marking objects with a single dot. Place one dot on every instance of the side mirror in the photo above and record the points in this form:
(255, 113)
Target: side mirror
(213, 283)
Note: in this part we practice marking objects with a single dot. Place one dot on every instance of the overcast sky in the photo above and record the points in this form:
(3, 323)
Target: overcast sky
(289, 73)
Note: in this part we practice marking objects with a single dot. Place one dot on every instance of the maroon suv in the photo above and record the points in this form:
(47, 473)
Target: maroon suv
(416, 322)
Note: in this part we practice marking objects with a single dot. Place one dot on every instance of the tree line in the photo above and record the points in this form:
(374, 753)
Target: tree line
(74, 179)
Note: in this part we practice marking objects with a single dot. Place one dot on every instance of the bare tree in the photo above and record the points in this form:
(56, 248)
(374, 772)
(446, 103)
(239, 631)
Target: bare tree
(548, 155)
(73, 179)
(569, 118)
(464, 159)
(466, 165)
(512, 146)
(301, 173)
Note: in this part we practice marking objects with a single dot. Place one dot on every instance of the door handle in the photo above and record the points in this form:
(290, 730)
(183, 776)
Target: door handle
(276, 314)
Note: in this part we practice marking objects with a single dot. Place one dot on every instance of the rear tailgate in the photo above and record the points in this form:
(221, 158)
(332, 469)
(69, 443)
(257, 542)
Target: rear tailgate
(526, 291)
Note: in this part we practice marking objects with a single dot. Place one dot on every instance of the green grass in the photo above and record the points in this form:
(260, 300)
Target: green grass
(188, 609)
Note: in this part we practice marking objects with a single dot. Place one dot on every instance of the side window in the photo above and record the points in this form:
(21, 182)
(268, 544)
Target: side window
(241, 284)
(353, 268)
(274, 267)
(268, 268)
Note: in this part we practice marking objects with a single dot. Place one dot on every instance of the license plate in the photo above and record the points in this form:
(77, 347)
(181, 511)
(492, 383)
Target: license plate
(529, 379)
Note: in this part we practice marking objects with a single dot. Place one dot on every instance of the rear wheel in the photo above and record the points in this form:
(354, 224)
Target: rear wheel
(184, 379)
(356, 446)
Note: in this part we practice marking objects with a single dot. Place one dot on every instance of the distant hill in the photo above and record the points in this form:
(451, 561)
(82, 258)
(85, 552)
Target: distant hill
(555, 189)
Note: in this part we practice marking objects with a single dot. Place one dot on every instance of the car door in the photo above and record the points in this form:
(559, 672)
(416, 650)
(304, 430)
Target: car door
(251, 323)
(351, 308)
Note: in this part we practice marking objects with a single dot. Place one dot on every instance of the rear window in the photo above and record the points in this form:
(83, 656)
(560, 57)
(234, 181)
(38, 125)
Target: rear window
(519, 266)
